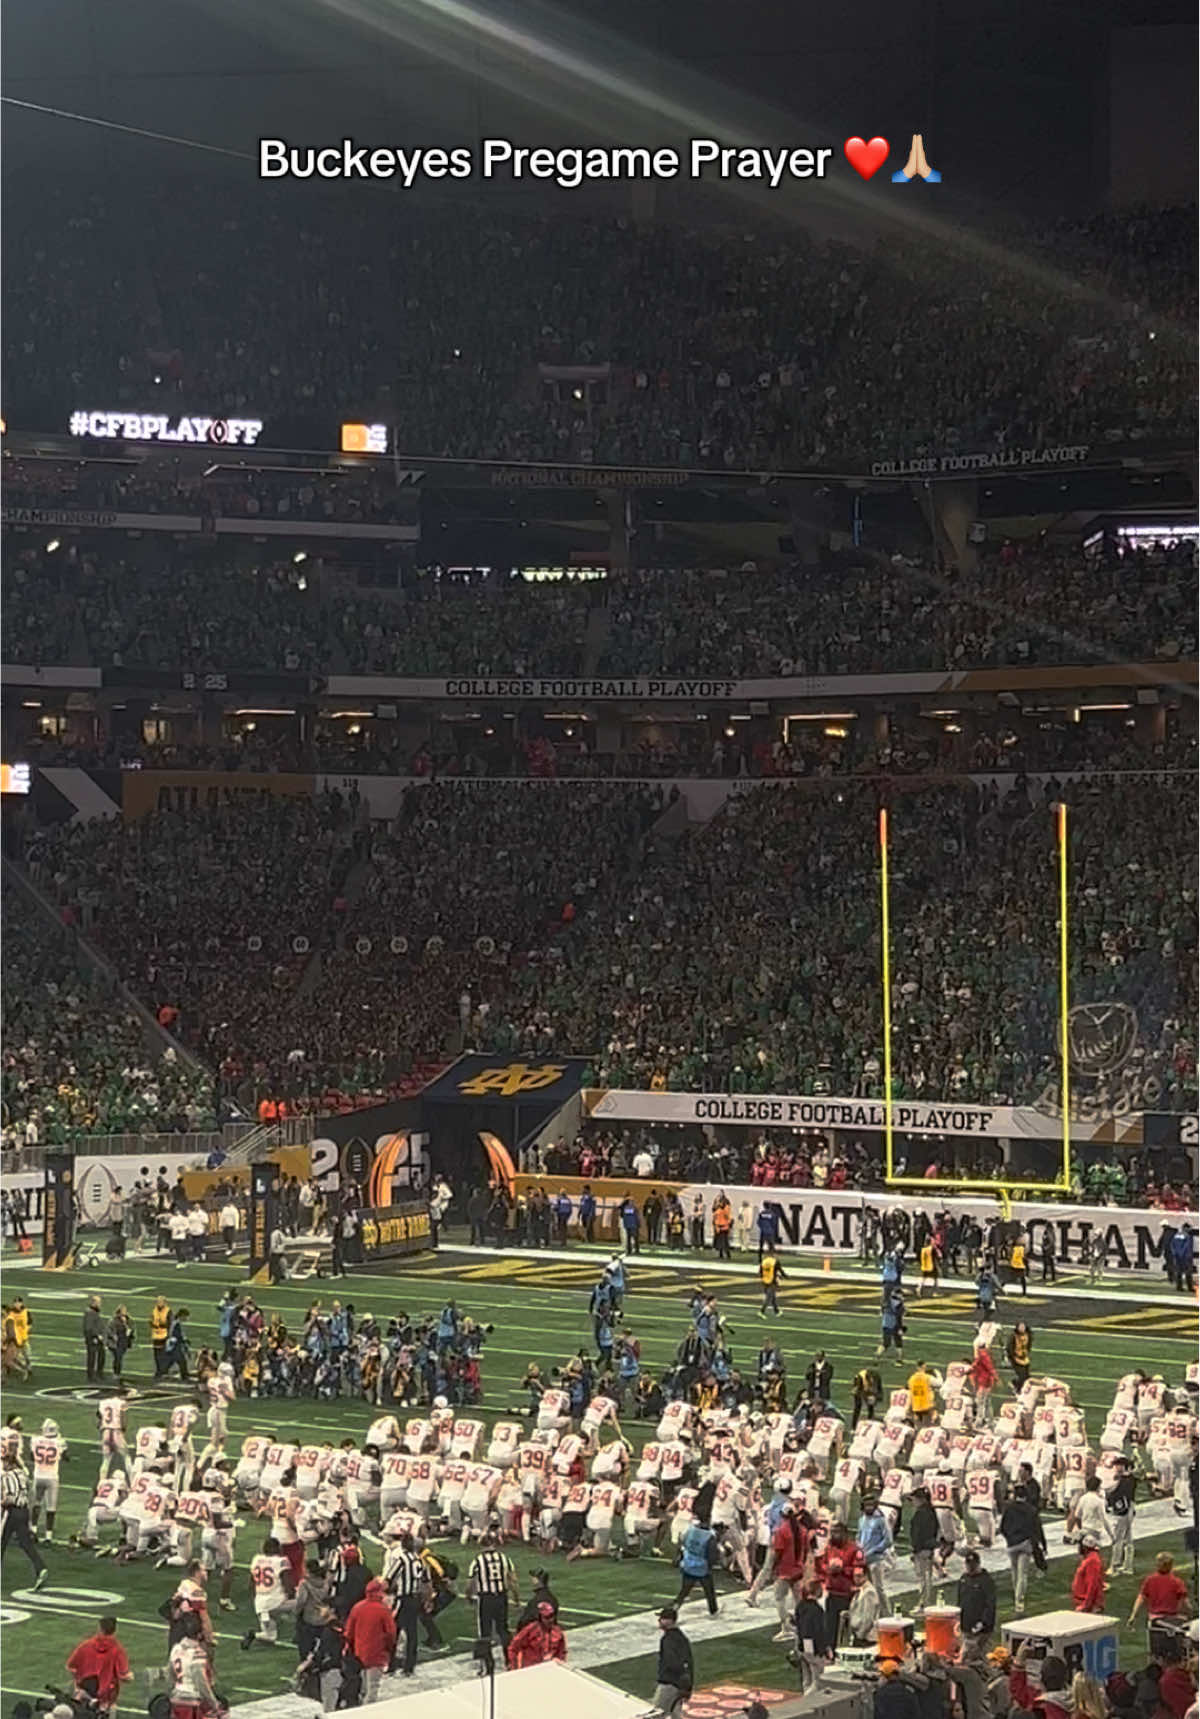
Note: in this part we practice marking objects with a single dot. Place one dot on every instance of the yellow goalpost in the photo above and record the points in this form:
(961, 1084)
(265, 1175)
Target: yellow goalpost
(992, 1186)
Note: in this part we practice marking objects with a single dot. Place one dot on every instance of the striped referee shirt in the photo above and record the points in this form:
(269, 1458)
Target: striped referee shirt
(14, 1488)
(491, 1572)
(404, 1573)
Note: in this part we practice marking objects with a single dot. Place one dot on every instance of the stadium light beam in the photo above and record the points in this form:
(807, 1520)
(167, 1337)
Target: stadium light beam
(1064, 991)
(887, 992)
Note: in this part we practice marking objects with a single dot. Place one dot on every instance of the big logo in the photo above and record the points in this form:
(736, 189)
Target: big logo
(1100, 1036)
(376, 1167)
(517, 1077)
(1109, 1081)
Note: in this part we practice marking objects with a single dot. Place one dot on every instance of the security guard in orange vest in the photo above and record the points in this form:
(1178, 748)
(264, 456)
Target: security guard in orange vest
(722, 1222)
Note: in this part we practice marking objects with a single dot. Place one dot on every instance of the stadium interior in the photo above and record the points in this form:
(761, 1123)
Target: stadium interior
(599, 840)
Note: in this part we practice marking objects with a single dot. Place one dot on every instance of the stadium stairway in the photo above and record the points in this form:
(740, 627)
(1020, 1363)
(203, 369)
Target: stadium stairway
(157, 1038)
(595, 636)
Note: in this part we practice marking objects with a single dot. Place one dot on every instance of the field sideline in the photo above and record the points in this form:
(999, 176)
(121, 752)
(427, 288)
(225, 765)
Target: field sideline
(539, 1307)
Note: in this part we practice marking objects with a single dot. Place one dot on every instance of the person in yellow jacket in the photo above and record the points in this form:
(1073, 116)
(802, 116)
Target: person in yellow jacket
(1018, 1262)
(770, 1274)
(21, 1321)
(928, 1261)
(160, 1326)
(920, 1392)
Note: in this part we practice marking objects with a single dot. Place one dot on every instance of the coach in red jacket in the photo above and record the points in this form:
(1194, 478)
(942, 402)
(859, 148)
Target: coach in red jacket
(1087, 1585)
(370, 1636)
(841, 1569)
(540, 1640)
(101, 1656)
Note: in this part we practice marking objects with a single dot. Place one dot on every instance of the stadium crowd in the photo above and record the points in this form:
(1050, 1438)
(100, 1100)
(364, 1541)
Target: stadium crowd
(76, 1058)
(790, 1004)
(509, 918)
(211, 916)
(366, 495)
(913, 746)
(718, 348)
(209, 607)
(1021, 605)
(805, 1158)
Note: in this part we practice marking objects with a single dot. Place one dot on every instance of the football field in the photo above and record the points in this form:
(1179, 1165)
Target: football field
(538, 1306)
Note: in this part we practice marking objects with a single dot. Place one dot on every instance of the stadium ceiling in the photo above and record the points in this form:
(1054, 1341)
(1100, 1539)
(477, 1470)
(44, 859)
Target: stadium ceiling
(440, 72)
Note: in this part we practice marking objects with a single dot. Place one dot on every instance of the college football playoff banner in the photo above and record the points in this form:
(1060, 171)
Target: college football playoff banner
(867, 1115)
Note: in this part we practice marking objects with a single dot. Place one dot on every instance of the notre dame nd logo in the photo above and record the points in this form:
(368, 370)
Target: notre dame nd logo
(508, 1082)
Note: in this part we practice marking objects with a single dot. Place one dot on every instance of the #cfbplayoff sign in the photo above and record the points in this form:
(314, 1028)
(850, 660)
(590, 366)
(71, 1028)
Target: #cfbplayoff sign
(157, 427)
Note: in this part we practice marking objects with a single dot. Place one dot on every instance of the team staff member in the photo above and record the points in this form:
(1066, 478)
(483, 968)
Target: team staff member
(1165, 1599)
(676, 1671)
(770, 1274)
(440, 1593)
(842, 1569)
(93, 1339)
(228, 1222)
(976, 1599)
(1087, 1584)
(101, 1656)
(160, 1330)
(1019, 1350)
(920, 1392)
(1119, 1501)
(543, 1594)
(370, 1636)
(14, 1498)
(1018, 1265)
(1046, 1255)
(491, 1583)
(538, 1641)
(868, 1389)
(695, 1568)
(22, 1322)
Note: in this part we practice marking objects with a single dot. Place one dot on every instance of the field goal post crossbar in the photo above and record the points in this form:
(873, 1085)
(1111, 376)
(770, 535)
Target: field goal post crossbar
(1004, 1189)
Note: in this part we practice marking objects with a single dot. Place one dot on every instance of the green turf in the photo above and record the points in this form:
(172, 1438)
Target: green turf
(539, 1310)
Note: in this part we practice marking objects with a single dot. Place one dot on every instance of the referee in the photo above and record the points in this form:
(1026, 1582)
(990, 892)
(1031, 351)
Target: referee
(14, 1497)
(492, 1582)
(407, 1580)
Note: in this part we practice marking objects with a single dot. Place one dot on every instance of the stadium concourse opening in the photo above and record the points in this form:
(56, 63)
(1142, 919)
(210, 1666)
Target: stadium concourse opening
(598, 1101)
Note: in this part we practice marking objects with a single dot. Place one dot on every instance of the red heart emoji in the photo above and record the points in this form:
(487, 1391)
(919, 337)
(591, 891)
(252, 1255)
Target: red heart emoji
(866, 158)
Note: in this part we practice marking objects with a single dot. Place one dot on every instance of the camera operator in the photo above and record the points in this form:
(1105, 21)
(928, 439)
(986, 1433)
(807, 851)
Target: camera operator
(100, 1665)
